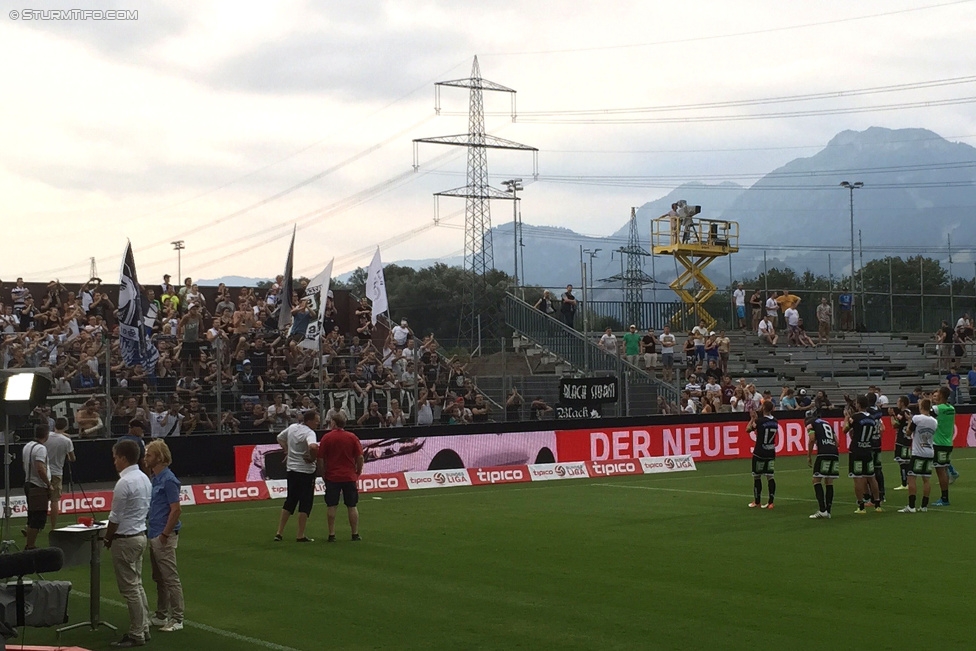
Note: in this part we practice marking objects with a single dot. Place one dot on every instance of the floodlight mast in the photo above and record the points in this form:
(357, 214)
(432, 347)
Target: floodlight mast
(851, 187)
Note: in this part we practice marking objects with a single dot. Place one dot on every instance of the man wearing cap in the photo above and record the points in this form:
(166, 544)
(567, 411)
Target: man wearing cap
(400, 333)
(826, 468)
(632, 344)
(803, 400)
(250, 384)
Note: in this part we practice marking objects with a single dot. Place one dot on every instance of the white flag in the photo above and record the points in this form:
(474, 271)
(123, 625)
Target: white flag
(376, 286)
(320, 284)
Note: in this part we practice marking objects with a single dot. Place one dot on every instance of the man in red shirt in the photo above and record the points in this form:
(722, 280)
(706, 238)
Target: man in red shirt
(340, 462)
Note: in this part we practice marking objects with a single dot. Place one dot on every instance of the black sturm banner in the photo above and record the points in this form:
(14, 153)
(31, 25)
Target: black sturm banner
(587, 391)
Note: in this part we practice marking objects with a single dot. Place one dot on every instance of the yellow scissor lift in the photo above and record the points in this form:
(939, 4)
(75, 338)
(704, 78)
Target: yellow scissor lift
(694, 245)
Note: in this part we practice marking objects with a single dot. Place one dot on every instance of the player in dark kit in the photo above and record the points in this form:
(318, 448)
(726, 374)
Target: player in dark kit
(826, 467)
(901, 420)
(878, 417)
(861, 427)
(764, 454)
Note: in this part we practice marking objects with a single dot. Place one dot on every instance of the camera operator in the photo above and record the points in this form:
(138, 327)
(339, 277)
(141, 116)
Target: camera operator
(37, 486)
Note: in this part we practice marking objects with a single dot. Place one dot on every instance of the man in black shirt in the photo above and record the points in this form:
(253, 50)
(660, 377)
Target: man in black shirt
(826, 468)
(372, 418)
(901, 419)
(764, 454)
(861, 428)
(567, 306)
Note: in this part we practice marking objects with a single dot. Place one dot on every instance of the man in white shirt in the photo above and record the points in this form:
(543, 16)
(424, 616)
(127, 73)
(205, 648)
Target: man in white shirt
(608, 342)
(300, 446)
(700, 333)
(667, 353)
(739, 301)
(400, 333)
(772, 308)
(169, 424)
(37, 484)
(767, 331)
(126, 538)
(60, 448)
(792, 317)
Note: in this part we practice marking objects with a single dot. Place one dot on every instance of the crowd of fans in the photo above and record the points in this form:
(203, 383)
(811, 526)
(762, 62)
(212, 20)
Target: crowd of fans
(229, 349)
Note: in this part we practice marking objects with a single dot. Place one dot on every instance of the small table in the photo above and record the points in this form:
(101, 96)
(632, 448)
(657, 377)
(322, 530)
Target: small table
(81, 544)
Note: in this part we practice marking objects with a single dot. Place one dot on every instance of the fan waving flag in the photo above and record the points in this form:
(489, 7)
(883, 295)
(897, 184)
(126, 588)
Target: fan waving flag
(284, 298)
(134, 343)
(319, 285)
(376, 286)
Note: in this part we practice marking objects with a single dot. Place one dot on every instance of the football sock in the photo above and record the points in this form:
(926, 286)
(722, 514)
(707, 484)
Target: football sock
(860, 505)
(757, 489)
(911, 501)
(772, 489)
(925, 501)
(945, 495)
(819, 490)
(879, 475)
(904, 474)
(829, 496)
(877, 503)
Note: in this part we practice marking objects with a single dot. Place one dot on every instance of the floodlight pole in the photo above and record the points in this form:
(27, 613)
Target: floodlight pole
(513, 186)
(178, 246)
(852, 186)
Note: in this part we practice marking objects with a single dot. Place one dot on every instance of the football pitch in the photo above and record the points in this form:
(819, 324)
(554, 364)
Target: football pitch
(642, 562)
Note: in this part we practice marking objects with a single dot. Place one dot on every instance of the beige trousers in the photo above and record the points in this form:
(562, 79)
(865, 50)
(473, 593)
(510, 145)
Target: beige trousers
(169, 589)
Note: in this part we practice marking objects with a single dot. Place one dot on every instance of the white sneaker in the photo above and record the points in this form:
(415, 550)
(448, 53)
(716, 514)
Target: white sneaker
(907, 509)
(172, 626)
(158, 621)
(820, 515)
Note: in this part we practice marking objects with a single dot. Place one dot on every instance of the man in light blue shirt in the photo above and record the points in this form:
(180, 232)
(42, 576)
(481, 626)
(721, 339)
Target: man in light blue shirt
(164, 530)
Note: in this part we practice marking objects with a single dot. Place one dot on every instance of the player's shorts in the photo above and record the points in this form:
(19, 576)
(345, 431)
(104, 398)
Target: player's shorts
(667, 360)
(826, 467)
(860, 466)
(903, 453)
(943, 456)
(876, 455)
(348, 489)
(920, 467)
(762, 466)
(740, 311)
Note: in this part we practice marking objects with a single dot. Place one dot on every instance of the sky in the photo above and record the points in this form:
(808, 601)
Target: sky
(226, 124)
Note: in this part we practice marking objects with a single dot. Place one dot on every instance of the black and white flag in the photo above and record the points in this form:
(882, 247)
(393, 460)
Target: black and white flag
(134, 343)
(284, 298)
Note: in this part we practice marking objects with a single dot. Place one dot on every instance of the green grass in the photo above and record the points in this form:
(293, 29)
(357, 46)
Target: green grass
(649, 562)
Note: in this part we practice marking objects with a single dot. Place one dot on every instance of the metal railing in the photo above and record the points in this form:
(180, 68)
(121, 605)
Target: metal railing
(577, 349)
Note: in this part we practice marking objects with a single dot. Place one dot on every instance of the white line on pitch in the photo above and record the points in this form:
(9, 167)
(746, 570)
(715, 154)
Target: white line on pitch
(204, 627)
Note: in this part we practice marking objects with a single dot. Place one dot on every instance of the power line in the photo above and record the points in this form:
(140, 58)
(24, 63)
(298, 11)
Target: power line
(919, 85)
(759, 116)
(738, 149)
(756, 32)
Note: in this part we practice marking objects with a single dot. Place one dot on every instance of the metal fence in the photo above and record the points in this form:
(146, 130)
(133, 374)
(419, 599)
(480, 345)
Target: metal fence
(874, 311)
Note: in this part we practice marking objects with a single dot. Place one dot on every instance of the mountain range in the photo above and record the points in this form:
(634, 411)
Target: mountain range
(919, 189)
